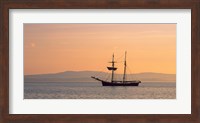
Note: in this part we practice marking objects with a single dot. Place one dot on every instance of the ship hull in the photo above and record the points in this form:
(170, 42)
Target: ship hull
(104, 83)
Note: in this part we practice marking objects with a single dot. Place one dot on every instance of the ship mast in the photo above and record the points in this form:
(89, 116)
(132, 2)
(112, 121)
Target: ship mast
(124, 76)
(113, 66)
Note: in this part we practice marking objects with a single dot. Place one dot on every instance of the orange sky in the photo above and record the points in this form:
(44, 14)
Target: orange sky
(51, 48)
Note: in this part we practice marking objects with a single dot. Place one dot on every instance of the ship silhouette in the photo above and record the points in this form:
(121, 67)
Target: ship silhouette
(113, 82)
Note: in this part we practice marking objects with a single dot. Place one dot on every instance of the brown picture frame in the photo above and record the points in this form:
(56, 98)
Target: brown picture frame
(5, 5)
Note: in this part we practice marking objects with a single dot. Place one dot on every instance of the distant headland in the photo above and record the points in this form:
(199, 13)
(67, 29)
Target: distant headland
(84, 76)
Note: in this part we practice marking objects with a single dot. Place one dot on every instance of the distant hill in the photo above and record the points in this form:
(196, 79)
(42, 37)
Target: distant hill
(85, 76)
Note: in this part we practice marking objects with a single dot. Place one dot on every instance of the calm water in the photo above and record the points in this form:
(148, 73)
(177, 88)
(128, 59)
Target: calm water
(88, 90)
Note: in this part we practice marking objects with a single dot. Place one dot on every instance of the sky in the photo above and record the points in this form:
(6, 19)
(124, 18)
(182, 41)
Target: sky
(53, 48)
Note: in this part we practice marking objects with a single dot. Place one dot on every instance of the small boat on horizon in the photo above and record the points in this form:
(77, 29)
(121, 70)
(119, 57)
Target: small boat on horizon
(113, 82)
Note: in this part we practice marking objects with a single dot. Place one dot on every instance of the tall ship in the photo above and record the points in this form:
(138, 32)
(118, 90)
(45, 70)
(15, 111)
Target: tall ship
(113, 82)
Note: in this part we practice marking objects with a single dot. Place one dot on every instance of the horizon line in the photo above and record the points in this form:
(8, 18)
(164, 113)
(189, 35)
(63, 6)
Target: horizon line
(93, 71)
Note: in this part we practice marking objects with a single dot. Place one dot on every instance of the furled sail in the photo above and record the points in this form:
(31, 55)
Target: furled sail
(112, 68)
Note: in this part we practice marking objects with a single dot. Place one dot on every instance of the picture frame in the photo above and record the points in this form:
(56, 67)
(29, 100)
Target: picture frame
(6, 5)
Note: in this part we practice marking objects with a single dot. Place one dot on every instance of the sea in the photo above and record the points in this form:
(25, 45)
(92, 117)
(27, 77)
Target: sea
(94, 90)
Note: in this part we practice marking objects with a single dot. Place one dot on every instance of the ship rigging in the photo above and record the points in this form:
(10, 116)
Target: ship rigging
(113, 82)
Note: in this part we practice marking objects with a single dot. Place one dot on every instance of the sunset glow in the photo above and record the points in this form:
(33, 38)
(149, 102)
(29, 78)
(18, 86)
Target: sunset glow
(52, 48)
